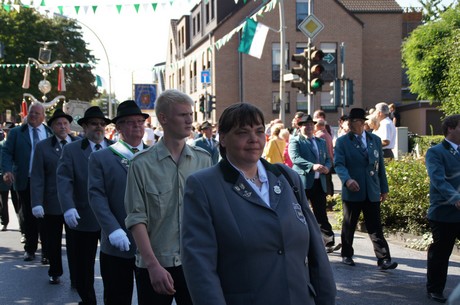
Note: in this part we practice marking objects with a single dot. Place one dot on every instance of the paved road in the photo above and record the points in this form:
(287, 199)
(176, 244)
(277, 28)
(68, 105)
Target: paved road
(27, 282)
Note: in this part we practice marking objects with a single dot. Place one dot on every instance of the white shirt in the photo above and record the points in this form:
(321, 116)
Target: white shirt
(387, 131)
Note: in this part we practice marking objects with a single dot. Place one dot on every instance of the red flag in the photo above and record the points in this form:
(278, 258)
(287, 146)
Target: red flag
(24, 108)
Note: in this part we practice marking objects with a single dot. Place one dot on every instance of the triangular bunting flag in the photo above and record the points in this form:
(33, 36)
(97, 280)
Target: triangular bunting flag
(94, 8)
(43, 3)
(119, 6)
(77, 8)
(61, 9)
(136, 7)
(154, 6)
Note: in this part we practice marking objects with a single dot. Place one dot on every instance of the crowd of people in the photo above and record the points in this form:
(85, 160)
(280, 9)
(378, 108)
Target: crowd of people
(238, 216)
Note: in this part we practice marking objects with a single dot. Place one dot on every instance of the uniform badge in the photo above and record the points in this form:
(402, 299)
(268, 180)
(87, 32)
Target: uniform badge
(371, 173)
(299, 213)
(376, 153)
(277, 189)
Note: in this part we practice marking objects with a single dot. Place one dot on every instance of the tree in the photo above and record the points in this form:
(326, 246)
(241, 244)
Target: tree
(432, 9)
(432, 59)
(19, 33)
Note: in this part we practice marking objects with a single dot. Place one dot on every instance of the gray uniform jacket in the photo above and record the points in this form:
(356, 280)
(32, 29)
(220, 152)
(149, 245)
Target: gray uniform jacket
(212, 150)
(107, 175)
(43, 186)
(239, 251)
(369, 171)
(72, 182)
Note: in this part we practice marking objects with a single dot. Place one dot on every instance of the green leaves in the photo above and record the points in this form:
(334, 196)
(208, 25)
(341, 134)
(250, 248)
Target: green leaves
(432, 58)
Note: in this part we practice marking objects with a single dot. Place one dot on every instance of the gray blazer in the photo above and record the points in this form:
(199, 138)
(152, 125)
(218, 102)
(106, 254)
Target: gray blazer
(213, 151)
(72, 182)
(369, 172)
(303, 158)
(107, 176)
(239, 251)
(16, 155)
(43, 186)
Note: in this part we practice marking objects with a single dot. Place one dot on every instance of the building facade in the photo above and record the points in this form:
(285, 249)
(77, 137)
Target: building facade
(206, 43)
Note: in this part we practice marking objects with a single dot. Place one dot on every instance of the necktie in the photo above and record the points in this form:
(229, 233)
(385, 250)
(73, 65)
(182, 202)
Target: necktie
(35, 137)
(98, 146)
(315, 149)
(135, 149)
(361, 143)
(210, 143)
(63, 142)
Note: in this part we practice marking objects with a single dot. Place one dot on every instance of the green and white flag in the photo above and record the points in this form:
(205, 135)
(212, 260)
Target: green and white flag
(253, 38)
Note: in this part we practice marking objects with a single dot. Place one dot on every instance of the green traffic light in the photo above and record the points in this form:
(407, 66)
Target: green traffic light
(316, 84)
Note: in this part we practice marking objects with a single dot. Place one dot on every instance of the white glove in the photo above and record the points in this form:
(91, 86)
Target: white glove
(119, 240)
(70, 217)
(38, 211)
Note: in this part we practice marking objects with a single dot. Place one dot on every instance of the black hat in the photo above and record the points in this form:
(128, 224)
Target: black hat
(58, 113)
(305, 119)
(205, 125)
(8, 125)
(93, 113)
(128, 108)
(357, 113)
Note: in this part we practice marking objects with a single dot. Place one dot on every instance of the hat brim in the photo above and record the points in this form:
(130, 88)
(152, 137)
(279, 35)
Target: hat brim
(83, 120)
(68, 117)
(115, 119)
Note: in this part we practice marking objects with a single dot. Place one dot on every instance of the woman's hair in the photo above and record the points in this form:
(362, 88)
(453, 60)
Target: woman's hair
(275, 129)
(285, 134)
(236, 116)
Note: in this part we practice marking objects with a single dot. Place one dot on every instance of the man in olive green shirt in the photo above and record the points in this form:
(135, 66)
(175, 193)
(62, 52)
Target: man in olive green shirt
(153, 202)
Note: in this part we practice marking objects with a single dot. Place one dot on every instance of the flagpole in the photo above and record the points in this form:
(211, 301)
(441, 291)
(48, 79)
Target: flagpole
(282, 114)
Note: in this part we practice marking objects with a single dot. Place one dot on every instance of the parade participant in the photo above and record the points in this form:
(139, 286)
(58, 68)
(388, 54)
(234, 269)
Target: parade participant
(247, 238)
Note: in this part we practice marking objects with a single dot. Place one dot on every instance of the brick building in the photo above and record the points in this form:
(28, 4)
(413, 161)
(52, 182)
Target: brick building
(207, 40)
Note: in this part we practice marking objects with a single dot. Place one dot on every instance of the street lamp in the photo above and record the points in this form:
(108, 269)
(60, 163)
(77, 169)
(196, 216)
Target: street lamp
(109, 102)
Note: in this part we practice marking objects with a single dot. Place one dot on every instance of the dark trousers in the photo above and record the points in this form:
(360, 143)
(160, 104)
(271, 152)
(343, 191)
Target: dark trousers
(118, 279)
(4, 215)
(85, 255)
(147, 296)
(31, 225)
(317, 198)
(388, 153)
(52, 226)
(371, 213)
(444, 236)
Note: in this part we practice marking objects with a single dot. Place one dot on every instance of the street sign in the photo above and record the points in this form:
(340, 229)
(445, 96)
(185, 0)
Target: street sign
(311, 26)
(205, 77)
(329, 58)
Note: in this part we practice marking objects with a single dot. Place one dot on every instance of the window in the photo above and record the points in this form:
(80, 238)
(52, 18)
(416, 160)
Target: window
(301, 11)
(213, 5)
(207, 13)
(194, 26)
(301, 101)
(276, 102)
(198, 23)
(276, 61)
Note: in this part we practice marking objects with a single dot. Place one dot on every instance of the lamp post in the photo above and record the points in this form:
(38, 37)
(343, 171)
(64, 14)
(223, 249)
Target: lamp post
(109, 102)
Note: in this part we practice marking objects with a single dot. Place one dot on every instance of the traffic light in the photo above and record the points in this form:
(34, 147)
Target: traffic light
(301, 71)
(335, 92)
(202, 103)
(348, 92)
(210, 104)
(316, 82)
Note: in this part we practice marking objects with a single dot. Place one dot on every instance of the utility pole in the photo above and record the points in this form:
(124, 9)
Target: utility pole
(282, 115)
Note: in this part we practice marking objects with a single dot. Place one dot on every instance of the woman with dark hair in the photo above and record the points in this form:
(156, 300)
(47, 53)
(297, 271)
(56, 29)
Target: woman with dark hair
(247, 237)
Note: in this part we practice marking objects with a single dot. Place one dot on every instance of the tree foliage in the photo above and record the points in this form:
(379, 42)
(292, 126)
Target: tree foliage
(432, 9)
(19, 33)
(432, 59)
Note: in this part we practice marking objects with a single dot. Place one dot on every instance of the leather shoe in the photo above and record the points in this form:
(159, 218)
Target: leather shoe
(348, 261)
(29, 257)
(54, 280)
(330, 249)
(4, 228)
(387, 265)
(437, 296)
(23, 239)
(45, 261)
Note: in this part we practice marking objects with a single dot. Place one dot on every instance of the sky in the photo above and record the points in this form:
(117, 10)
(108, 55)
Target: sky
(133, 42)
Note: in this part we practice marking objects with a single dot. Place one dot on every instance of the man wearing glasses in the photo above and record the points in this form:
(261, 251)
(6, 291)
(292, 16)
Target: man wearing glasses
(72, 182)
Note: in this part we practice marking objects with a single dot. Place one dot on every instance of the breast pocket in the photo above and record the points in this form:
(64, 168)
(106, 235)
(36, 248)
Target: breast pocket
(159, 197)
